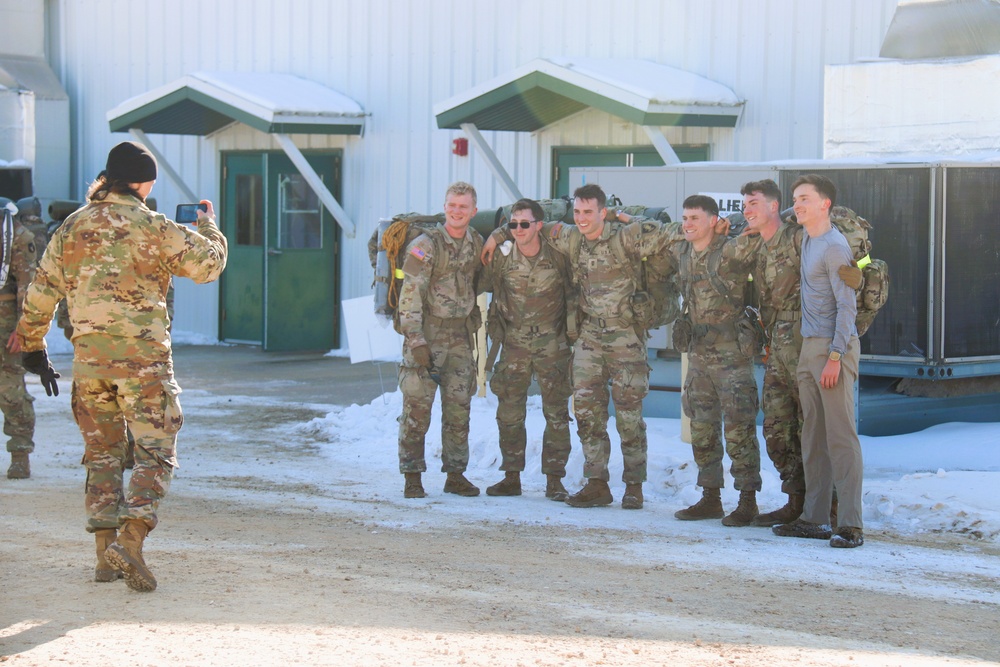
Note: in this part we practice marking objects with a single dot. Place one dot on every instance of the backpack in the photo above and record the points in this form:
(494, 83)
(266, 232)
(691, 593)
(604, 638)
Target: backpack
(387, 252)
(874, 291)
(655, 301)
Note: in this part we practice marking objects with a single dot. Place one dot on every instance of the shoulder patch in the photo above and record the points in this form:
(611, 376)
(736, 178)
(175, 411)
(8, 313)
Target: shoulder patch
(418, 252)
(556, 230)
(648, 227)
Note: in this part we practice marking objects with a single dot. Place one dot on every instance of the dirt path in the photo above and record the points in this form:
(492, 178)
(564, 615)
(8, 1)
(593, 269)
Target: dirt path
(262, 572)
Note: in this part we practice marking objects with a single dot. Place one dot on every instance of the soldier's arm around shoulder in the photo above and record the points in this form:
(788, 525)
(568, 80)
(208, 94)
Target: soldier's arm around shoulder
(196, 254)
(644, 237)
(740, 252)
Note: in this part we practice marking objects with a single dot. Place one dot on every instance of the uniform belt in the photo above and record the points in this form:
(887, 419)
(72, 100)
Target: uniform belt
(445, 321)
(7, 297)
(789, 315)
(608, 322)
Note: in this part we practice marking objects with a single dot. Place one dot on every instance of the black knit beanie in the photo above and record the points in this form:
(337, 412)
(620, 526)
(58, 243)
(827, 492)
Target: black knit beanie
(131, 162)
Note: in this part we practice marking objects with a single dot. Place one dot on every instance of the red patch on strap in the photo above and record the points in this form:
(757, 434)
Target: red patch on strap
(418, 253)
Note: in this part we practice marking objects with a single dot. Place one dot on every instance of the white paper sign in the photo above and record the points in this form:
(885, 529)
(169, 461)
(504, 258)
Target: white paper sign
(368, 338)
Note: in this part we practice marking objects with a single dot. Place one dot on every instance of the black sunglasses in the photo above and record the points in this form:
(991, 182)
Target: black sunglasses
(525, 224)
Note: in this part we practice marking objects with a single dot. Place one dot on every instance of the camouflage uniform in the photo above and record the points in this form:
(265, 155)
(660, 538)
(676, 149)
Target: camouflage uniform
(609, 347)
(113, 260)
(438, 309)
(15, 401)
(777, 278)
(529, 295)
(720, 385)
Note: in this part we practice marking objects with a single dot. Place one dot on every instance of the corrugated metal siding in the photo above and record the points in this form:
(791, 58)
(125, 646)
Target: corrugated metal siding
(399, 58)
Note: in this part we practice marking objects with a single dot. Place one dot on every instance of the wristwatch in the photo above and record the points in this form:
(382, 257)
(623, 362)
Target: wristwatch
(835, 356)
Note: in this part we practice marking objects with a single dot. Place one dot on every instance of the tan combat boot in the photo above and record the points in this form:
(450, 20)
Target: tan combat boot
(20, 467)
(787, 514)
(104, 572)
(510, 485)
(594, 494)
(126, 555)
(554, 489)
(745, 512)
(457, 483)
(413, 488)
(632, 500)
(709, 507)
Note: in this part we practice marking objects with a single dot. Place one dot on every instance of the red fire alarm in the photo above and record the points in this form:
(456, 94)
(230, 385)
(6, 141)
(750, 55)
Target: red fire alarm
(460, 146)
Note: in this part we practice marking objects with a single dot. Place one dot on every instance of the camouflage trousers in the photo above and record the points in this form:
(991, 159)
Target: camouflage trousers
(451, 357)
(720, 390)
(15, 401)
(782, 412)
(616, 355)
(151, 408)
(547, 357)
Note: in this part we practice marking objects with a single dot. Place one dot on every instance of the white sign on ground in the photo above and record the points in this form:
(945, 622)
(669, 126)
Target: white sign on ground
(368, 338)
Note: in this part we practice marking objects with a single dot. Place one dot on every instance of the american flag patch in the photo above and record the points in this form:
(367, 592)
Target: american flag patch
(418, 253)
(556, 230)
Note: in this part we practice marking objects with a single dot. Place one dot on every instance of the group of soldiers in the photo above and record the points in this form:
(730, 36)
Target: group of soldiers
(569, 313)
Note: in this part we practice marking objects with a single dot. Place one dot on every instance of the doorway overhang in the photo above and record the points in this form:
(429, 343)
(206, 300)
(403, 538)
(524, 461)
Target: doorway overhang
(278, 104)
(548, 90)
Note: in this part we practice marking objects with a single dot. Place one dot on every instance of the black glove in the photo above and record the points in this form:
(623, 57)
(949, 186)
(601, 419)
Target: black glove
(38, 363)
(422, 355)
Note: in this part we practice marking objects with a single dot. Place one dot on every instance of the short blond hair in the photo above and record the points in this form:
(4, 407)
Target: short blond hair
(462, 188)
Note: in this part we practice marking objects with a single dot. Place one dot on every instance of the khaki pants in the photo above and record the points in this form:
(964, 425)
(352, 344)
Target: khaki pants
(831, 451)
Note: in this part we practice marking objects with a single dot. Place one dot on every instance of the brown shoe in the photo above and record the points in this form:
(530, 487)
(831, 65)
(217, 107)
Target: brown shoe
(104, 572)
(126, 555)
(745, 512)
(594, 494)
(413, 488)
(790, 512)
(802, 528)
(632, 500)
(20, 466)
(709, 507)
(847, 537)
(457, 484)
(510, 485)
(554, 489)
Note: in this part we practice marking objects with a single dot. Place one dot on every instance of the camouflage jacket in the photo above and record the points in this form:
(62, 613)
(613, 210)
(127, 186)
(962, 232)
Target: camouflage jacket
(529, 291)
(703, 302)
(23, 262)
(440, 287)
(776, 275)
(604, 284)
(113, 260)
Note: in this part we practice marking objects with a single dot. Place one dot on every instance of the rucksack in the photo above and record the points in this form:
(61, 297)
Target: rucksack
(874, 291)
(387, 251)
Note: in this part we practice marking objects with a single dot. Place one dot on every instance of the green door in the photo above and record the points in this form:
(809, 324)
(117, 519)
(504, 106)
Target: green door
(243, 225)
(279, 289)
(566, 157)
(300, 260)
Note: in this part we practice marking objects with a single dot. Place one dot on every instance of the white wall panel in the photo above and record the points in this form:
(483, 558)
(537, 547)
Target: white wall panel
(398, 58)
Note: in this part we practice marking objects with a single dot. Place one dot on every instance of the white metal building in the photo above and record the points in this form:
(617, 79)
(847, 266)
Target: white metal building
(410, 66)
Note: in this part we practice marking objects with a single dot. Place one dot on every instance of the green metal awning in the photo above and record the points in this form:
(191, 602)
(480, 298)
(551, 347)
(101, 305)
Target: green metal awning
(548, 90)
(205, 102)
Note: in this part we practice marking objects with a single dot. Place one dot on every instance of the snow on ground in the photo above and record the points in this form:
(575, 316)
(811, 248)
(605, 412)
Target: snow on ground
(931, 509)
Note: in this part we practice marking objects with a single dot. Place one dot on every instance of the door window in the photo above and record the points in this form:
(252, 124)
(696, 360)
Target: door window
(299, 214)
(249, 209)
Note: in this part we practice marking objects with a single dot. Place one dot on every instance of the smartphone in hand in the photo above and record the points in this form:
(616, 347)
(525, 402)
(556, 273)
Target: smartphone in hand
(188, 213)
